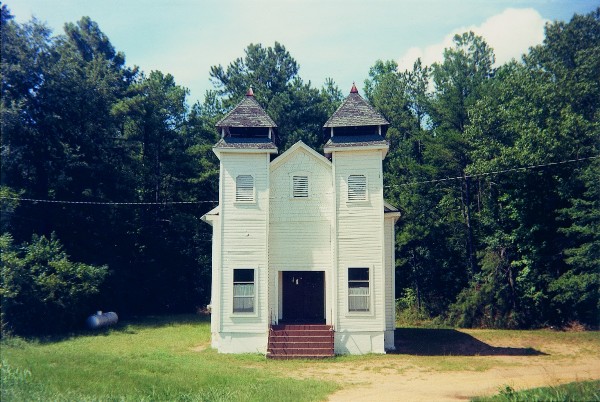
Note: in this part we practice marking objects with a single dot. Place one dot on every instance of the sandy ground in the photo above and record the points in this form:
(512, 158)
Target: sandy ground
(471, 367)
(422, 385)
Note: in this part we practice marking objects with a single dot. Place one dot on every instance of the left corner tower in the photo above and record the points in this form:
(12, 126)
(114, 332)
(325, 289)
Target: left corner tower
(240, 316)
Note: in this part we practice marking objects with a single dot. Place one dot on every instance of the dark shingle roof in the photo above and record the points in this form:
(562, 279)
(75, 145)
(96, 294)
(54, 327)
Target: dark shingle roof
(355, 111)
(355, 141)
(248, 113)
(245, 143)
(387, 207)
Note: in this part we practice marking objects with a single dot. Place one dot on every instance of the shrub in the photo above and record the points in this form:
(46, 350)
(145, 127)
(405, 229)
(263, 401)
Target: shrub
(43, 291)
(409, 311)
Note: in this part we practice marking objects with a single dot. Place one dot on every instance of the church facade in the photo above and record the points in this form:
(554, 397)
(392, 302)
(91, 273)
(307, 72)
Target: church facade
(302, 239)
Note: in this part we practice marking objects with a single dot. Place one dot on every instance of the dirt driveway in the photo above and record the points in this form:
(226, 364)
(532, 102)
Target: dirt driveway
(452, 365)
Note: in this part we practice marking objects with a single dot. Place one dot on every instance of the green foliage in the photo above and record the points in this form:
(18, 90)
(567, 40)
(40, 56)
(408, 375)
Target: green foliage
(490, 300)
(408, 310)
(520, 248)
(78, 124)
(542, 223)
(9, 201)
(42, 290)
(575, 391)
(515, 249)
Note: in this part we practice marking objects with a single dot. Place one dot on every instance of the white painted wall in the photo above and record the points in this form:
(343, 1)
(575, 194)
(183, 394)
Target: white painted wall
(390, 285)
(239, 342)
(278, 232)
(243, 241)
(360, 237)
(215, 301)
(300, 237)
(358, 342)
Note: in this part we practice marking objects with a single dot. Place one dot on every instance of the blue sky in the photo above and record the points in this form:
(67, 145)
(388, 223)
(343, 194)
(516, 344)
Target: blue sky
(340, 39)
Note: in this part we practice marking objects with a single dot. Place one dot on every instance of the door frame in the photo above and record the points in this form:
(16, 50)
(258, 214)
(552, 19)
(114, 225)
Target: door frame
(280, 315)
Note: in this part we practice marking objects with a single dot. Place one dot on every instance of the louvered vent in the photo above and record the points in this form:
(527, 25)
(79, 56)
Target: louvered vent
(300, 186)
(357, 187)
(244, 188)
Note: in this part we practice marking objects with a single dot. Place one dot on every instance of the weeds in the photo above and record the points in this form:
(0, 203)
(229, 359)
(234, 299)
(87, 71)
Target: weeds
(572, 392)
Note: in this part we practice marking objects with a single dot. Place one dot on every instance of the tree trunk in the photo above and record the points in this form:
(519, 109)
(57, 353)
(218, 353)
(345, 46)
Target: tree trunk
(467, 215)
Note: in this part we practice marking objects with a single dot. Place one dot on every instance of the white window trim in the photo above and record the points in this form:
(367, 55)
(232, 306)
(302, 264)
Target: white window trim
(309, 185)
(371, 311)
(357, 201)
(253, 200)
(254, 313)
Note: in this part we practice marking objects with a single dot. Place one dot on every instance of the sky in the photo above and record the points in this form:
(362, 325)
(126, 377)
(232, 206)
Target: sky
(338, 39)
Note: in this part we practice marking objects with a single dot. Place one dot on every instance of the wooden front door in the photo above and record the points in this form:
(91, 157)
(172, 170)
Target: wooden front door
(303, 297)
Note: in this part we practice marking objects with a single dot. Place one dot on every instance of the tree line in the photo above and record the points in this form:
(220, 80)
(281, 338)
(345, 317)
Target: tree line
(130, 165)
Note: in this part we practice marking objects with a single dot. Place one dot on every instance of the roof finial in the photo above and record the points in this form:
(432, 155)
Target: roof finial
(354, 90)
(250, 92)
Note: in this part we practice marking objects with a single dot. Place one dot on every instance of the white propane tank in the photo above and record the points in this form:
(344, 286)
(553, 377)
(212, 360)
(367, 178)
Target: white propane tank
(100, 319)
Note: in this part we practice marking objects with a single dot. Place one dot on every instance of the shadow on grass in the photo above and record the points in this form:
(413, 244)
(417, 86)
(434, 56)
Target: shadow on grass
(158, 321)
(128, 326)
(450, 342)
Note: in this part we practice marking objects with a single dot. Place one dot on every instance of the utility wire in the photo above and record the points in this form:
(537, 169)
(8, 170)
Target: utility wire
(165, 203)
(105, 202)
(517, 169)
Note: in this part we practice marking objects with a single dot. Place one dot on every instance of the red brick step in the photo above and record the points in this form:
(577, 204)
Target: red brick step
(300, 341)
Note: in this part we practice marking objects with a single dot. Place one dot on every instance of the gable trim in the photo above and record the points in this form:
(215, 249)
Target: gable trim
(293, 149)
(212, 215)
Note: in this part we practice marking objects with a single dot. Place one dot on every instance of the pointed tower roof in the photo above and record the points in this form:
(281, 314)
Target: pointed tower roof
(355, 111)
(247, 127)
(247, 113)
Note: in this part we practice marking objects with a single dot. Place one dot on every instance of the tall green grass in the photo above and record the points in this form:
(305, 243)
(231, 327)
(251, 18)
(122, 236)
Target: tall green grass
(573, 392)
(151, 360)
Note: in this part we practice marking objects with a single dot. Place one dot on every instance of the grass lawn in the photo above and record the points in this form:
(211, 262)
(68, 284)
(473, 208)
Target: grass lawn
(169, 359)
(150, 360)
(575, 391)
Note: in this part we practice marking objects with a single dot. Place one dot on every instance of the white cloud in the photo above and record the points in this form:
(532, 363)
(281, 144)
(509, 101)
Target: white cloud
(510, 33)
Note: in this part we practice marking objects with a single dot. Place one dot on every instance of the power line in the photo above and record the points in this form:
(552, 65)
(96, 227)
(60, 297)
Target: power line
(516, 169)
(105, 202)
(165, 203)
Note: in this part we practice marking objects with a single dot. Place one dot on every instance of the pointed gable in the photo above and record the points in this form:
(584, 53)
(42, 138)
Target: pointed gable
(299, 147)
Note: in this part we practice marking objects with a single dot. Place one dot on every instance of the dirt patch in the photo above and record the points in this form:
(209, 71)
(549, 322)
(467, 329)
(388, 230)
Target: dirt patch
(478, 364)
(200, 348)
(417, 384)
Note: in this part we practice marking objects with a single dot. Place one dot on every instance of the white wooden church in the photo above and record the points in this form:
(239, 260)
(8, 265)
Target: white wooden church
(303, 243)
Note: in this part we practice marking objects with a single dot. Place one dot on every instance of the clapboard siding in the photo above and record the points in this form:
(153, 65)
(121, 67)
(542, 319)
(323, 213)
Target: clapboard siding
(299, 228)
(244, 238)
(320, 230)
(390, 308)
(360, 236)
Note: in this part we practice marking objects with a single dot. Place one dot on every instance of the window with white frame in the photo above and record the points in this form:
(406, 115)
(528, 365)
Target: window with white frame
(359, 295)
(243, 290)
(244, 188)
(300, 186)
(357, 187)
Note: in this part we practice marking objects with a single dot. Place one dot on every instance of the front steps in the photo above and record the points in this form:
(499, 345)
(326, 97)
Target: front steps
(298, 341)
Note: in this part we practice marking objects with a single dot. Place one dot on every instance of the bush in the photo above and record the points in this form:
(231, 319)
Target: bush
(42, 291)
(409, 312)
